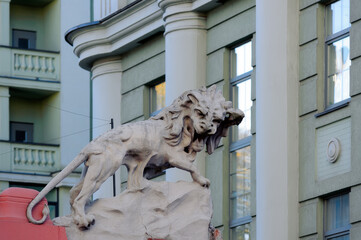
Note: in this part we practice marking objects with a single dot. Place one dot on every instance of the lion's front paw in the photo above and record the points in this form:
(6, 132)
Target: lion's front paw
(204, 182)
(84, 222)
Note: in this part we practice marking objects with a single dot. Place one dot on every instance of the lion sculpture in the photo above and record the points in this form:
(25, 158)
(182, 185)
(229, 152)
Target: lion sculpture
(170, 139)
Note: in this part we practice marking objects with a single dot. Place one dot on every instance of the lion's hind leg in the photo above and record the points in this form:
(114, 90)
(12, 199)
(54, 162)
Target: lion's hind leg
(100, 167)
(75, 190)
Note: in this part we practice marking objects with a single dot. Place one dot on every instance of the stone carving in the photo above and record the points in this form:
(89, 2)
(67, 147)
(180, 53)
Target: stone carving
(333, 150)
(170, 139)
(161, 210)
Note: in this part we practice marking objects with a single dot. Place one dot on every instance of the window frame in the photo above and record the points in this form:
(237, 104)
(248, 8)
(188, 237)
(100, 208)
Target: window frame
(22, 126)
(337, 232)
(26, 34)
(240, 143)
(154, 113)
(329, 40)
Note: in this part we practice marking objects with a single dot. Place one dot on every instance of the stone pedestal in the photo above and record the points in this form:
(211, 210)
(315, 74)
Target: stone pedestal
(161, 210)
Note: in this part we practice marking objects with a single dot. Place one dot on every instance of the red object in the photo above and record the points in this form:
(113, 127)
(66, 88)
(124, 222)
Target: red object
(14, 224)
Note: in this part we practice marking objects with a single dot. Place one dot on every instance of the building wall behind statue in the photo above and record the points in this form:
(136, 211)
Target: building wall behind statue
(321, 123)
(75, 87)
(229, 25)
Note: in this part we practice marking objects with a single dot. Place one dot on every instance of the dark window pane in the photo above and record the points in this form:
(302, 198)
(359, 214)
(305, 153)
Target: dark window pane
(23, 43)
(20, 136)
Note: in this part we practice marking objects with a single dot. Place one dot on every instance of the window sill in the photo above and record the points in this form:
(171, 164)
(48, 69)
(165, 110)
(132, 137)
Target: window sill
(240, 221)
(334, 107)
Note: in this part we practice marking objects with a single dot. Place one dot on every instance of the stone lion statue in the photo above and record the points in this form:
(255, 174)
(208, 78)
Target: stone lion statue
(170, 139)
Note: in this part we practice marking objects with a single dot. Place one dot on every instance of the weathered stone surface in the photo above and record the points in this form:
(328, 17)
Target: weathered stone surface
(196, 119)
(162, 210)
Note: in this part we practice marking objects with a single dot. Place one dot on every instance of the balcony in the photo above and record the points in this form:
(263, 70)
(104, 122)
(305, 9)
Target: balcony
(41, 69)
(29, 157)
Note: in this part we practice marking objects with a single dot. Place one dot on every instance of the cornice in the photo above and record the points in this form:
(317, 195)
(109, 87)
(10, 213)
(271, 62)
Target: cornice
(116, 34)
(127, 27)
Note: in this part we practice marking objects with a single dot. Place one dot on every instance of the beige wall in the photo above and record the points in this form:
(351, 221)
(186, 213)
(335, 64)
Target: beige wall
(45, 21)
(43, 113)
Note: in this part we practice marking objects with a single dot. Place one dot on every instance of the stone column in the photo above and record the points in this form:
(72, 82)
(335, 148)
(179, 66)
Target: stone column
(277, 119)
(5, 22)
(185, 56)
(5, 113)
(107, 75)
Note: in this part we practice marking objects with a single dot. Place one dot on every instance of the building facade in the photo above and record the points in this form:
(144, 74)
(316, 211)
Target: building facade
(291, 170)
(44, 96)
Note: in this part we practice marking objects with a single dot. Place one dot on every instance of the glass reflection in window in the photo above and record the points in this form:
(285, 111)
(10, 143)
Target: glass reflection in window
(337, 218)
(338, 76)
(241, 58)
(337, 16)
(241, 232)
(240, 183)
(157, 97)
(242, 100)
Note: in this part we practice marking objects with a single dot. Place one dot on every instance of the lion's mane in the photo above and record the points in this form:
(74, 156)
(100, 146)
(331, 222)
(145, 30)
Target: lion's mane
(176, 114)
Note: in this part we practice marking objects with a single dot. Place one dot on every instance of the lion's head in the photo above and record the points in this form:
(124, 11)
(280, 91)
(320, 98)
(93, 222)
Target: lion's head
(199, 117)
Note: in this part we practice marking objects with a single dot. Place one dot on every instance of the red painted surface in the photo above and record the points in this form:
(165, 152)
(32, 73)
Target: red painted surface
(14, 224)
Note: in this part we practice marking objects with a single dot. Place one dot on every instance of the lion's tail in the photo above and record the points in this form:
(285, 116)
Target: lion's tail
(52, 184)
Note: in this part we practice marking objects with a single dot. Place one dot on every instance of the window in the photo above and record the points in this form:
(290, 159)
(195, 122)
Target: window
(240, 148)
(337, 218)
(337, 26)
(24, 39)
(21, 132)
(157, 98)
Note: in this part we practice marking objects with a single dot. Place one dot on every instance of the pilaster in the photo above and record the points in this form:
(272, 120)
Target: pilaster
(5, 22)
(277, 119)
(185, 56)
(5, 113)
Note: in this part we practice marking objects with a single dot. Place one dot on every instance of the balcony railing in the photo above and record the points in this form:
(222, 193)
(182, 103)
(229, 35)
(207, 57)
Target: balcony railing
(32, 157)
(31, 64)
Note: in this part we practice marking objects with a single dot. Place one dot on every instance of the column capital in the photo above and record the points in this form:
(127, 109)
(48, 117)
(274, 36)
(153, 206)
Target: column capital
(164, 4)
(106, 66)
(179, 15)
(5, 1)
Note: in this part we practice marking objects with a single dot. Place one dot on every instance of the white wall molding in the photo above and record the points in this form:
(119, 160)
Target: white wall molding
(116, 34)
(125, 30)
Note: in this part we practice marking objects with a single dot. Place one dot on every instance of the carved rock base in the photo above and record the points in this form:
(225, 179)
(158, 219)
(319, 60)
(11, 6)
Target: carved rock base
(161, 210)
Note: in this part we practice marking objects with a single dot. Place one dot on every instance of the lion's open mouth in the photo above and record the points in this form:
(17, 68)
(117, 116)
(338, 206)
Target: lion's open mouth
(197, 144)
